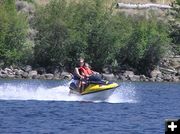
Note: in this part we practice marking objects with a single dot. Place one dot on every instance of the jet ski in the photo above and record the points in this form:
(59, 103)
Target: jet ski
(94, 90)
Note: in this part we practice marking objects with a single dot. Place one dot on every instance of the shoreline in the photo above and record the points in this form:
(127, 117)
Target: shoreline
(27, 72)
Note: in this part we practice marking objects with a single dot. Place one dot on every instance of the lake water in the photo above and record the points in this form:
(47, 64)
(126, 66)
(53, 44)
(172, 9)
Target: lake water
(38, 107)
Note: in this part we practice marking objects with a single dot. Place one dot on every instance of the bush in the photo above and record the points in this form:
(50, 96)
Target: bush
(175, 27)
(146, 46)
(51, 40)
(87, 28)
(93, 30)
(13, 32)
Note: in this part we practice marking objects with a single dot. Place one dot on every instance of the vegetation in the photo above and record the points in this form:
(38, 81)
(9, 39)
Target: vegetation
(88, 28)
(13, 32)
(175, 27)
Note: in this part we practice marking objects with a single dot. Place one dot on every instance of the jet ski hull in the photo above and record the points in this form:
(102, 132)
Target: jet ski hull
(96, 91)
(98, 96)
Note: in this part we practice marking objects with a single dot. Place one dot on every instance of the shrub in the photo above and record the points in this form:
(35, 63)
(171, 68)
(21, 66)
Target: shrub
(175, 27)
(13, 32)
(146, 46)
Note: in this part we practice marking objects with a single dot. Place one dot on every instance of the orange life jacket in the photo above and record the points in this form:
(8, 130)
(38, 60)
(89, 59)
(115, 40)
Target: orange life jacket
(89, 71)
(85, 71)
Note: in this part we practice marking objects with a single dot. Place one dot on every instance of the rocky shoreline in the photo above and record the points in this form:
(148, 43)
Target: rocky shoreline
(167, 71)
(158, 75)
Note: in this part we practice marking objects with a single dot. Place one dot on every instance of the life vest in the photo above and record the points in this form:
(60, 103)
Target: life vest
(89, 71)
(85, 71)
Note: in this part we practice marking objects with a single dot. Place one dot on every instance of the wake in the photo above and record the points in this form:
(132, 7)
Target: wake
(41, 91)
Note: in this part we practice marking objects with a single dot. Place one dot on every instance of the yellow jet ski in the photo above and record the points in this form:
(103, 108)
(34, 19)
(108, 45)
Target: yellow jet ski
(95, 90)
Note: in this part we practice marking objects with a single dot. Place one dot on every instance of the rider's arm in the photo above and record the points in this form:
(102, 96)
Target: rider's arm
(77, 72)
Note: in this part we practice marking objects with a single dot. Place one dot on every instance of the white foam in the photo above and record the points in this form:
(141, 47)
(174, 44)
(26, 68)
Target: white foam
(8, 91)
(124, 94)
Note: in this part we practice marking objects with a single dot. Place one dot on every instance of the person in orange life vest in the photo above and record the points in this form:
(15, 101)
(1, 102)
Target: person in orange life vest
(86, 71)
(89, 74)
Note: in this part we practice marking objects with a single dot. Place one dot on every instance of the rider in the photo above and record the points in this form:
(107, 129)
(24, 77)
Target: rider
(78, 76)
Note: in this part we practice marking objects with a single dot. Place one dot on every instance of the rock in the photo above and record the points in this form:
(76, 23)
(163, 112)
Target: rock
(106, 70)
(49, 76)
(28, 68)
(4, 72)
(41, 70)
(11, 76)
(175, 79)
(134, 77)
(178, 72)
(18, 72)
(143, 78)
(18, 76)
(24, 7)
(25, 75)
(3, 75)
(66, 75)
(110, 77)
(159, 79)
(32, 74)
(42, 77)
(128, 74)
(57, 76)
(123, 78)
(36, 76)
(155, 73)
(152, 79)
(9, 71)
(168, 70)
(167, 77)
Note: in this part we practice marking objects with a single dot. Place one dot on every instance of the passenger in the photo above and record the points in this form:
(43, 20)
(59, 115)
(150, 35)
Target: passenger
(89, 74)
(85, 70)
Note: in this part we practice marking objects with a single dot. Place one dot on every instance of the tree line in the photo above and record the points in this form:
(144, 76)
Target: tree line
(92, 29)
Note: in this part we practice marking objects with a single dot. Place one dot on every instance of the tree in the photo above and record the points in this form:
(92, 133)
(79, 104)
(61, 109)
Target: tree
(13, 32)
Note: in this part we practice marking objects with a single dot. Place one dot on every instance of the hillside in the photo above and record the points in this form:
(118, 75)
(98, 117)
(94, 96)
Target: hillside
(124, 1)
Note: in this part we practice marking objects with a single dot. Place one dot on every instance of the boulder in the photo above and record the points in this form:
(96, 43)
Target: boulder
(106, 70)
(36, 76)
(57, 76)
(18, 72)
(32, 74)
(11, 76)
(143, 78)
(49, 76)
(168, 70)
(4, 72)
(18, 76)
(159, 79)
(175, 79)
(155, 73)
(167, 77)
(25, 75)
(152, 79)
(134, 77)
(122, 77)
(28, 68)
(3, 75)
(110, 77)
(42, 77)
(66, 75)
(41, 70)
(128, 74)
(9, 71)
